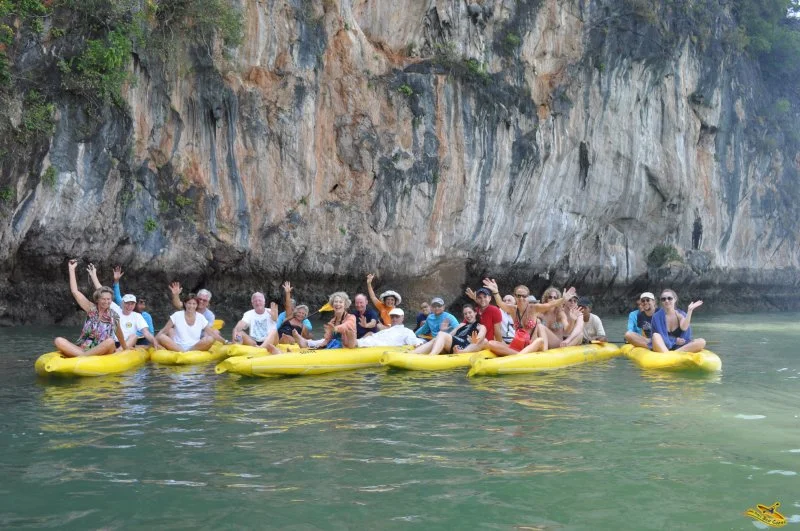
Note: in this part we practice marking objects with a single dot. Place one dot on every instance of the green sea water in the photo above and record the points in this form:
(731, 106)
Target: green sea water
(603, 446)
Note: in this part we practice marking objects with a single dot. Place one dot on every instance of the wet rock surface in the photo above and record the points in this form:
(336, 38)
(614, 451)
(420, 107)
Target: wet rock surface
(432, 143)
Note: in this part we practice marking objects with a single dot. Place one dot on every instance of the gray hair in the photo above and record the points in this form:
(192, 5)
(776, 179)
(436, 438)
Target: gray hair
(340, 295)
(205, 292)
(252, 297)
(301, 307)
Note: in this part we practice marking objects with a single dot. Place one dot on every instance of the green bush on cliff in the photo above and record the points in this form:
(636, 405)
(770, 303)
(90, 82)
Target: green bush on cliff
(663, 254)
(99, 72)
(37, 115)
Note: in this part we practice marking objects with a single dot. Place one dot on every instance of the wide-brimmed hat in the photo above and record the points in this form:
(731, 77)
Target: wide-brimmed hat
(394, 294)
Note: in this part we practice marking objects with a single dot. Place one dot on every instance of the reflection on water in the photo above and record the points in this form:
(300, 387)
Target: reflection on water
(384, 448)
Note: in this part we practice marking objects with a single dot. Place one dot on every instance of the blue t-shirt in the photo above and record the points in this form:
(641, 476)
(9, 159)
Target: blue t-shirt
(282, 318)
(434, 322)
(632, 320)
(369, 314)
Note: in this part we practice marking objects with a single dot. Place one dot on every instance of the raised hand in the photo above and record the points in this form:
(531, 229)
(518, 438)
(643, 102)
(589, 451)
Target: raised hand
(575, 314)
(473, 337)
(72, 265)
(695, 304)
(91, 269)
(469, 293)
(175, 288)
(569, 293)
(445, 326)
(273, 306)
(287, 286)
(362, 321)
(491, 284)
(369, 278)
(117, 274)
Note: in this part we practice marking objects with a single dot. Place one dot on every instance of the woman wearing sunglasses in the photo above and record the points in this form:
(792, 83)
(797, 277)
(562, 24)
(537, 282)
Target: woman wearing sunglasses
(672, 327)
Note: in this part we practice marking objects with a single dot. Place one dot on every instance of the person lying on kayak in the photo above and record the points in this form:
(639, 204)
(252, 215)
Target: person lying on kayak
(101, 326)
(467, 337)
(528, 337)
(672, 328)
(592, 325)
(396, 335)
(339, 331)
(640, 330)
(260, 322)
(366, 318)
(191, 330)
(437, 320)
(388, 300)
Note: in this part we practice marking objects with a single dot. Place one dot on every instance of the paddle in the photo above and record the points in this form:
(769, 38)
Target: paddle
(218, 324)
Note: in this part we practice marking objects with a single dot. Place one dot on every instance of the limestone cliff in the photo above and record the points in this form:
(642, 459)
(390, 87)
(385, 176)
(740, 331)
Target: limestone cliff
(429, 141)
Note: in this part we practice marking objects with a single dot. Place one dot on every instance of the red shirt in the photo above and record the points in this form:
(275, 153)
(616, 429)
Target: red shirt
(489, 316)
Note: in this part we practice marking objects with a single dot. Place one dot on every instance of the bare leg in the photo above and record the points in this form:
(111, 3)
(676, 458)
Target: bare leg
(539, 333)
(247, 340)
(658, 344)
(300, 339)
(130, 342)
(71, 350)
(424, 348)
(203, 344)
(537, 345)
(443, 341)
(273, 349)
(695, 345)
(637, 340)
(168, 343)
(271, 339)
(286, 340)
(349, 339)
(472, 347)
(499, 348)
(552, 338)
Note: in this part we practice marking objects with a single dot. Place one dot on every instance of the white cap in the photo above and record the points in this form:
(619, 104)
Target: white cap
(647, 295)
(129, 298)
(397, 311)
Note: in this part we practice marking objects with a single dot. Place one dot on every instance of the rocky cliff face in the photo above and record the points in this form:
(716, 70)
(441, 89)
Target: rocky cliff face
(431, 142)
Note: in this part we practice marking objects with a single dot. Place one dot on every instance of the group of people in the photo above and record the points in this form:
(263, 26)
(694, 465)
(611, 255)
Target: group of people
(516, 323)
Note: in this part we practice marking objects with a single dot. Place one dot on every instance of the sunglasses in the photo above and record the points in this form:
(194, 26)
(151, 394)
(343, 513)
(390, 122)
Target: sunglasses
(665, 299)
(552, 297)
(520, 295)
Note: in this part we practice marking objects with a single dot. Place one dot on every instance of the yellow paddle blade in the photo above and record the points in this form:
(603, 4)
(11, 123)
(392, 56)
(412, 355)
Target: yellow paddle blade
(326, 308)
(218, 324)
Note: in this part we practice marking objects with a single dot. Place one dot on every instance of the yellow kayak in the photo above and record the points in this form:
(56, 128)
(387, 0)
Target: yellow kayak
(56, 364)
(425, 362)
(307, 361)
(217, 352)
(703, 361)
(247, 350)
(556, 358)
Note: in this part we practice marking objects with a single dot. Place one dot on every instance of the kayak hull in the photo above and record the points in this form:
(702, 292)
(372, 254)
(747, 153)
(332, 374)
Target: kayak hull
(543, 361)
(190, 357)
(306, 362)
(424, 362)
(703, 361)
(56, 364)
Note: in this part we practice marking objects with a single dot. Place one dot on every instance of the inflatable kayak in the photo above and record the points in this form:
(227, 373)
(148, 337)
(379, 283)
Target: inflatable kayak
(307, 361)
(542, 361)
(247, 350)
(703, 361)
(56, 364)
(190, 357)
(425, 362)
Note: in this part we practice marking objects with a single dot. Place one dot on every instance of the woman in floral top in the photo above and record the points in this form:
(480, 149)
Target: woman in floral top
(101, 326)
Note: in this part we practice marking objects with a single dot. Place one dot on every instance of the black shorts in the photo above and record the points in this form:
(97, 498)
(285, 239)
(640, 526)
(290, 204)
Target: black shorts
(459, 342)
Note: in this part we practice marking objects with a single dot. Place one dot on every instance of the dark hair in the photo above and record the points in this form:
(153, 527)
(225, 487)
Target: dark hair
(190, 297)
(468, 305)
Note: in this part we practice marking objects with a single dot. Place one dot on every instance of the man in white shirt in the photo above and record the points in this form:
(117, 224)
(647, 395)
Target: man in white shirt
(260, 321)
(396, 335)
(592, 325)
(132, 322)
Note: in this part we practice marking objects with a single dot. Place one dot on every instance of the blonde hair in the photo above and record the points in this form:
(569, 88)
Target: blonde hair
(548, 290)
(674, 295)
(527, 291)
(99, 293)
